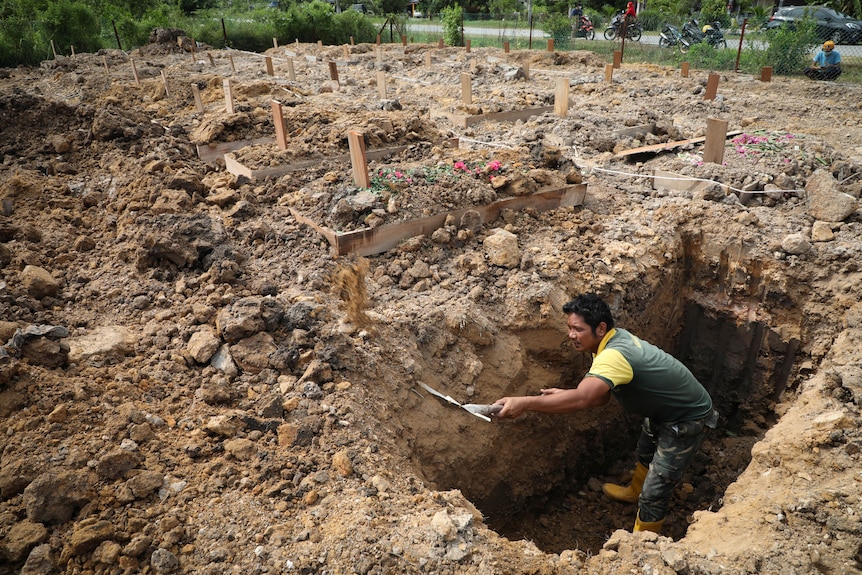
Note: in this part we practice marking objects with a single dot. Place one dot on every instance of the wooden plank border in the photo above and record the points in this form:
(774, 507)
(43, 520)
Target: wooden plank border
(237, 168)
(464, 120)
(371, 241)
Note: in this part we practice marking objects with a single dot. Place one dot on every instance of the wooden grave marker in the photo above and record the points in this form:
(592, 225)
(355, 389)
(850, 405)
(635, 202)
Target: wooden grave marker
(269, 70)
(333, 71)
(711, 87)
(135, 72)
(766, 74)
(358, 159)
(683, 69)
(561, 97)
(278, 122)
(550, 44)
(228, 96)
(381, 85)
(716, 134)
(199, 103)
(609, 73)
(466, 89)
(291, 72)
(618, 58)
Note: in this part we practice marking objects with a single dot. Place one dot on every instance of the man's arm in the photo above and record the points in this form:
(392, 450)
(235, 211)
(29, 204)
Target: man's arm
(591, 392)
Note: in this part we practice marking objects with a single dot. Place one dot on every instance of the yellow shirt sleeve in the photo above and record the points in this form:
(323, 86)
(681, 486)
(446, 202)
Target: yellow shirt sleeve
(612, 366)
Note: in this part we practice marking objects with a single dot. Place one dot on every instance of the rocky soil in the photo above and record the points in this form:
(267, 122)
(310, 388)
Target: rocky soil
(193, 383)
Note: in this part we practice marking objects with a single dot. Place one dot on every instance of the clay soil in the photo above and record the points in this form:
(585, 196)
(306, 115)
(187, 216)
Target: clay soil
(194, 383)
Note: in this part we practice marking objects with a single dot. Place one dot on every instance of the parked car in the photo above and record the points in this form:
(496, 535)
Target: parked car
(830, 24)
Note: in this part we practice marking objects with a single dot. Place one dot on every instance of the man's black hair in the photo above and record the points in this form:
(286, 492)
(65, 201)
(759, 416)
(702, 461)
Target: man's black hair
(592, 308)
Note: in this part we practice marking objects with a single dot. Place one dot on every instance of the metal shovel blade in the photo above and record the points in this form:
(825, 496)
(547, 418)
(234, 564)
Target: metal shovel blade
(482, 408)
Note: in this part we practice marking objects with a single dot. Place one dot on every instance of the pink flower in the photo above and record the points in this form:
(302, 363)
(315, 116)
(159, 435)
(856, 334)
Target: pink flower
(493, 166)
(460, 166)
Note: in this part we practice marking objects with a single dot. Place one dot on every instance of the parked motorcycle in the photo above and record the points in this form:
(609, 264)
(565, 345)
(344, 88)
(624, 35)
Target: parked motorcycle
(711, 34)
(634, 30)
(583, 28)
(672, 36)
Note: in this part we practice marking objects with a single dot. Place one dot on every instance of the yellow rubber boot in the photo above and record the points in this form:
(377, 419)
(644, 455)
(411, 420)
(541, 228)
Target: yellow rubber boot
(631, 493)
(654, 526)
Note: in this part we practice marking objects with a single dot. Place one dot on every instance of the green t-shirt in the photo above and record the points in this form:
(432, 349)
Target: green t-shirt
(649, 381)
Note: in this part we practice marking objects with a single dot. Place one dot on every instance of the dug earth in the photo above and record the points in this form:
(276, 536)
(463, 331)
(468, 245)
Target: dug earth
(194, 380)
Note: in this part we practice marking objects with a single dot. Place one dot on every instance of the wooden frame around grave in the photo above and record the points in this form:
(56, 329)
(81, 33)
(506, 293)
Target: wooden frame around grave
(371, 241)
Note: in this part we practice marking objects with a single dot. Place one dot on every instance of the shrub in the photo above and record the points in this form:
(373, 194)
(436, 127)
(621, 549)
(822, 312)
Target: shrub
(652, 19)
(788, 50)
(559, 28)
(453, 20)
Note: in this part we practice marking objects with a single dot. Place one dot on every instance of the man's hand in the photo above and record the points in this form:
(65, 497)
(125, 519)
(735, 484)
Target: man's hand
(512, 407)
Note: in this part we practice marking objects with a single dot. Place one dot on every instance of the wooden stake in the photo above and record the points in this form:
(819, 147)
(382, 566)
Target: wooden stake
(291, 73)
(381, 85)
(333, 71)
(428, 59)
(711, 87)
(618, 59)
(199, 104)
(466, 89)
(232, 66)
(278, 121)
(228, 96)
(506, 47)
(105, 62)
(683, 70)
(275, 43)
(716, 134)
(194, 56)
(358, 159)
(526, 67)
(269, 69)
(378, 39)
(440, 44)
(135, 72)
(403, 40)
(346, 50)
(165, 82)
(467, 45)
(609, 73)
(352, 41)
(53, 49)
(212, 61)
(561, 97)
(766, 74)
(73, 50)
(550, 44)
(320, 43)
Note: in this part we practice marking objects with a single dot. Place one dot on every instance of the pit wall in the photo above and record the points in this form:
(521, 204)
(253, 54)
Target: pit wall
(704, 307)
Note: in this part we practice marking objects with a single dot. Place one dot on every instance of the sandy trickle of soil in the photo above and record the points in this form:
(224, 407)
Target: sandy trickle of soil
(193, 383)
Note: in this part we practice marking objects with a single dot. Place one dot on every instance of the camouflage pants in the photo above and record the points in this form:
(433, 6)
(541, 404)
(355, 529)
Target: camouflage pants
(667, 449)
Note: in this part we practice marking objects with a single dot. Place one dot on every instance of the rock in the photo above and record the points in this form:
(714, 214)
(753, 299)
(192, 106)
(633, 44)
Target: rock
(39, 282)
(240, 320)
(825, 201)
(107, 553)
(241, 449)
(342, 463)
(115, 463)
(821, 232)
(53, 497)
(502, 250)
(225, 425)
(223, 361)
(86, 537)
(39, 562)
(46, 352)
(145, 483)
(252, 353)
(21, 538)
(163, 561)
(796, 244)
(112, 341)
(203, 344)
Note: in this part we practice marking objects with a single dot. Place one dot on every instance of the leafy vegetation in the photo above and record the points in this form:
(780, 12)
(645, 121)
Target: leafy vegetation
(453, 22)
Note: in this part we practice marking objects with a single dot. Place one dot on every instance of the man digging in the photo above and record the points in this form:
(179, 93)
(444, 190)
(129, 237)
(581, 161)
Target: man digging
(677, 409)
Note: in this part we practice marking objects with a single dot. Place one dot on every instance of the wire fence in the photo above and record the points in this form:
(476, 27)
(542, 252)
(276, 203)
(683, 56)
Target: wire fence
(740, 50)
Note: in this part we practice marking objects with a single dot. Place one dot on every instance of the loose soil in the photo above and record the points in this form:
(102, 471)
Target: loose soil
(194, 383)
